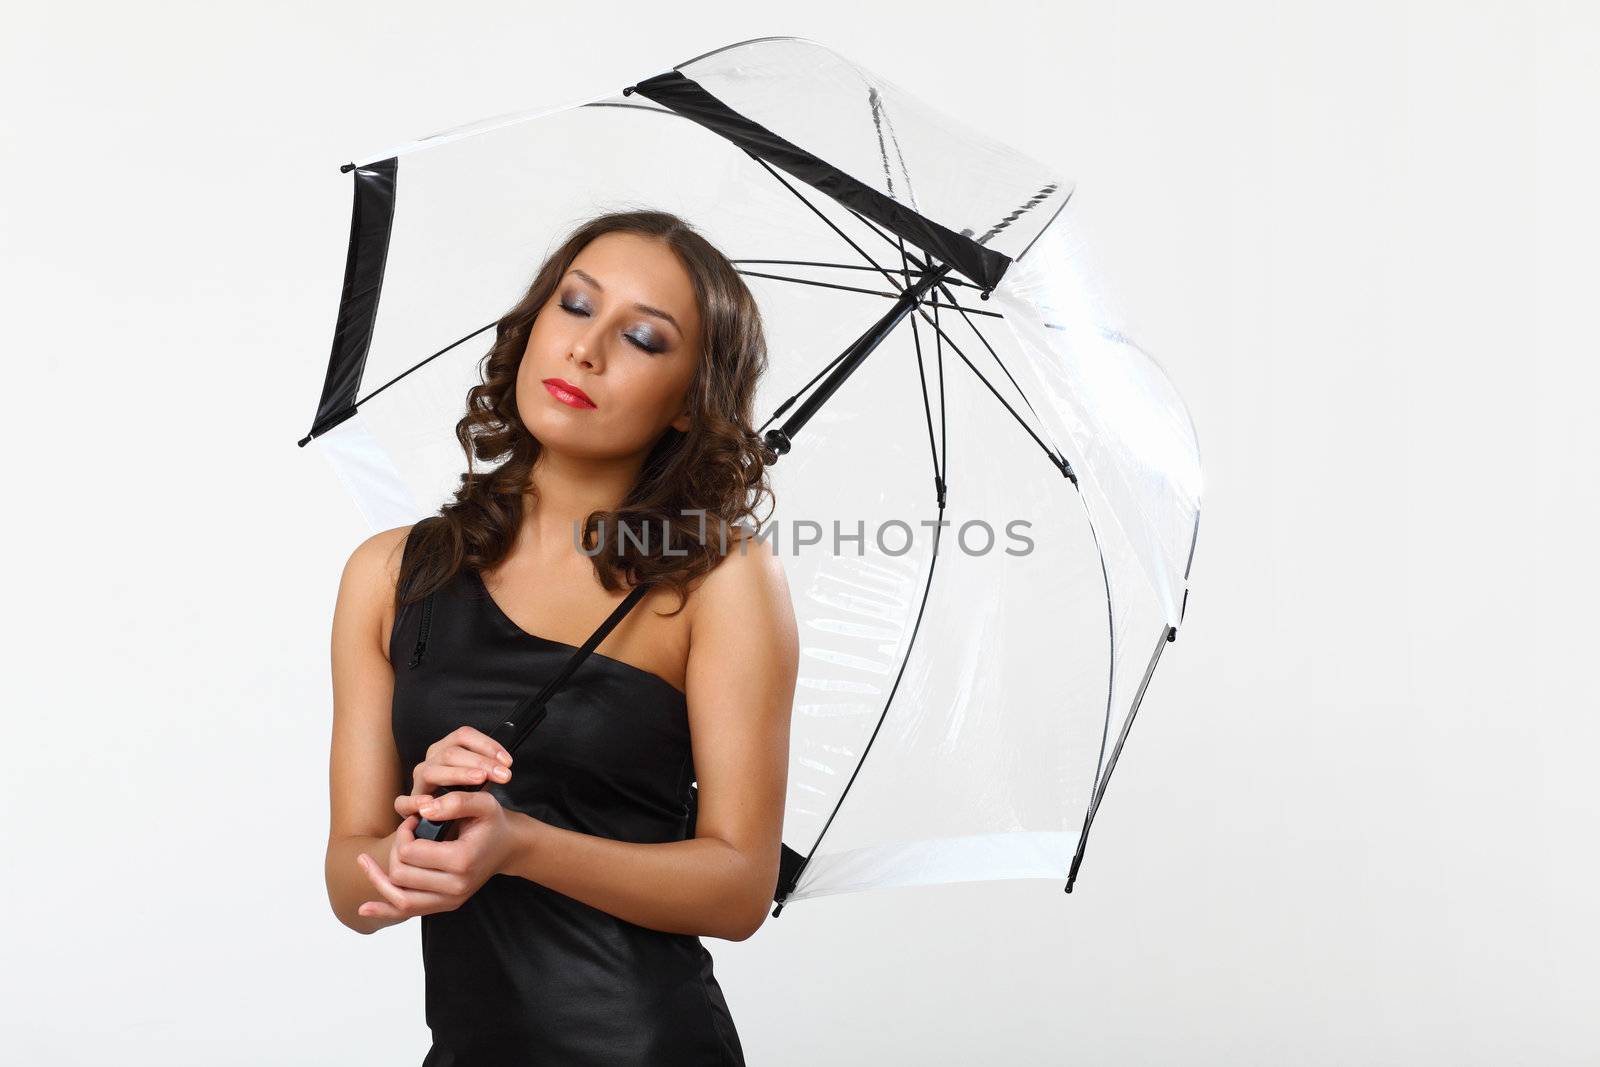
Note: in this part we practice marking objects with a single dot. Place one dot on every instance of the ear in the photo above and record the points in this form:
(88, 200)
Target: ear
(681, 423)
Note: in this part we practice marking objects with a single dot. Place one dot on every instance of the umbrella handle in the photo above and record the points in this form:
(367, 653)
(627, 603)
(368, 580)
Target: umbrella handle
(509, 735)
(428, 830)
(530, 711)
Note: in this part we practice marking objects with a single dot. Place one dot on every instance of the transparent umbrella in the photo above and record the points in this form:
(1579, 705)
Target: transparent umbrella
(987, 495)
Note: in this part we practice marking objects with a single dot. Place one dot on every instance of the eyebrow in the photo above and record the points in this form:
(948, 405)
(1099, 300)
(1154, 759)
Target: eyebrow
(646, 308)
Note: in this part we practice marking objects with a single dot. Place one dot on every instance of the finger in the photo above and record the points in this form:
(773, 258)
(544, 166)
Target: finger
(404, 834)
(472, 749)
(414, 852)
(480, 742)
(431, 855)
(458, 756)
(377, 909)
(413, 803)
(391, 892)
(432, 775)
(404, 900)
(422, 904)
(408, 803)
(458, 805)
(414, 879)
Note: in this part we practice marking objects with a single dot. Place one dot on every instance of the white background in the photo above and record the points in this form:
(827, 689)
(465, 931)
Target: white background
(1356, 819)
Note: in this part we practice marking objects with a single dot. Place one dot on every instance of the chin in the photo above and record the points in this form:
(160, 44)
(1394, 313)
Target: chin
(580, 442)
(561, 435)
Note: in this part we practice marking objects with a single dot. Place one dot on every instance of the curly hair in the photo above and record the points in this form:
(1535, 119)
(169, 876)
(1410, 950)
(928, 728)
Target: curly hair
(716, 471)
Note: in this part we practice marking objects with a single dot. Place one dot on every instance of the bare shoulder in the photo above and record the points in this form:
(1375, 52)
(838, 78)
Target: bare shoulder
(748, 584)
(374, 564)
(367, 586)
(751, 566)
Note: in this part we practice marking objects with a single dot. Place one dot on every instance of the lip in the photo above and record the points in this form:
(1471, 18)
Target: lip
(568, 393)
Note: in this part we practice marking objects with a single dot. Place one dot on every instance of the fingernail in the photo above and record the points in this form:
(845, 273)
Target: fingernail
(501, 772)
(428, 809)
(505, 757)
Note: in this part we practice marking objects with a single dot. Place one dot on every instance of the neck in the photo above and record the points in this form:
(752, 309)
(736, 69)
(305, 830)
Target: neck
(568, 489)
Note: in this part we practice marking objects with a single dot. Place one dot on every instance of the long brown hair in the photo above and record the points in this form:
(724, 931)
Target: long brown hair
(716, 470)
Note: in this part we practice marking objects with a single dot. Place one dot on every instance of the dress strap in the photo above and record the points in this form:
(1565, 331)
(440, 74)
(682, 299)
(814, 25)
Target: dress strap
(530, 710)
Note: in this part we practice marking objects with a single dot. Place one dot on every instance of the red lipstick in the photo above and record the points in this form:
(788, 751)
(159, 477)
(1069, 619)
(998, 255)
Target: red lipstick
(568, 393)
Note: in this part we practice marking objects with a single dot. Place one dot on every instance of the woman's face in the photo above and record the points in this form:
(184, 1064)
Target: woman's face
(623, 326)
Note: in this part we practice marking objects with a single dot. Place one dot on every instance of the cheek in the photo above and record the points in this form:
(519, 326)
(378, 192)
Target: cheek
(528, 386)
(548, 337)
(663, 391)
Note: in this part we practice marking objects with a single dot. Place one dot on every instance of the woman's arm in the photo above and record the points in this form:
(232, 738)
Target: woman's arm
(743, 658)
(364, 772)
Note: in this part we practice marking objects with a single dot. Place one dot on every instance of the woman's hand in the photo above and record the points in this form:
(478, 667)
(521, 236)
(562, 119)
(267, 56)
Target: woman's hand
(430, 876)
(463, 756)
(425, 877)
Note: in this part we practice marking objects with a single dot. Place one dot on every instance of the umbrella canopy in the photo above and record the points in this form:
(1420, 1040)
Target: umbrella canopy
(988, 495)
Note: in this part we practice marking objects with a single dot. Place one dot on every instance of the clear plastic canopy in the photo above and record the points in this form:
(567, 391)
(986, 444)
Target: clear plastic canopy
(964, 688)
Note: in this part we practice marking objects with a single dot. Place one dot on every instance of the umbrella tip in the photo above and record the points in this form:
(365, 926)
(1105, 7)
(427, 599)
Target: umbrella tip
(778, 441)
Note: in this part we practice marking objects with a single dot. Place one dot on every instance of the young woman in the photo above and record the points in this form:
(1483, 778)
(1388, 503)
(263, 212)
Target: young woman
(562, 923)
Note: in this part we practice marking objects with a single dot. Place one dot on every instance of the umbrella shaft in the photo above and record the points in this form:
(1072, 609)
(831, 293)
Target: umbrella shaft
(780, 439)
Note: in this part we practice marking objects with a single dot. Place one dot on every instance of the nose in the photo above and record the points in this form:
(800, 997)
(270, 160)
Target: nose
(579, 354)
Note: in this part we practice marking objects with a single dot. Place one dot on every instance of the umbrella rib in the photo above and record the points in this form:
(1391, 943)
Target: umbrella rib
(998, 361)
(1055, 455)
(944, 422)
(884, 714)
(923, 268)
(436, 355)
(816, 211)
(965, 313)
(858, 289)
(940, 336)
(846, 238)
(875, 228)
(927, 412)
(1055, 458)
(1111, 687)
(852, 266)
(964, 310)
(1102, 780)
(939, 484)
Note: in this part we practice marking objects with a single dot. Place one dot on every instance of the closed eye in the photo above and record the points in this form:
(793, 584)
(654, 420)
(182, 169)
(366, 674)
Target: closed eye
(636, 342)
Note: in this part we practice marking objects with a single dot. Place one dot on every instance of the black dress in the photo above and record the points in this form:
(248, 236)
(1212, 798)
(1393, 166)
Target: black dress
(521, 974)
